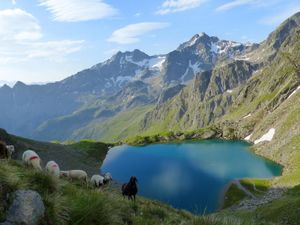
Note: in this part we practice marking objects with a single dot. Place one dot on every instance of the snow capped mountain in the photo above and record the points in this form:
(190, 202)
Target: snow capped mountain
(128, 79)
(198, 54)
(8, 83)
(200, 43)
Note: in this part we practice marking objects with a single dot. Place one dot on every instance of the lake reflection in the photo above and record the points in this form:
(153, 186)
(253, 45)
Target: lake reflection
(189, 175)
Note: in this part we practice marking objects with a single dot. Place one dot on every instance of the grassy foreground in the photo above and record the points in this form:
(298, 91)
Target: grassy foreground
(71, 203)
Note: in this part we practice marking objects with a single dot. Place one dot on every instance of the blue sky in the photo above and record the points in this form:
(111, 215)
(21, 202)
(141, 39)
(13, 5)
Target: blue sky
(48, 40)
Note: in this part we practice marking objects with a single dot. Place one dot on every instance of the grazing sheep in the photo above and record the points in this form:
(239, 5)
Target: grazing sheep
(64, 173)
(53, 168)
(10, 150)
(97, 180)
(107, 178)
(130, 189)
(3, 150)
(75, 175)
(32, 159)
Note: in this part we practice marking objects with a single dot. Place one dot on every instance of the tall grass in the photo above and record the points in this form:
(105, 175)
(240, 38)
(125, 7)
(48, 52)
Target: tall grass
(72, 204)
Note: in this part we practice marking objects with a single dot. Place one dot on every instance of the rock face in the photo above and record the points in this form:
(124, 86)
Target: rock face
(207, 97)
(27, 208)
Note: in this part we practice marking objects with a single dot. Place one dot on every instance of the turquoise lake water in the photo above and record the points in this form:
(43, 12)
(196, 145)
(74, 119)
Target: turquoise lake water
(187, 175)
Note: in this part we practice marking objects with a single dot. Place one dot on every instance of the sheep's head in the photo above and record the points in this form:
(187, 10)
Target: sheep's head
(11, 148)
(64, 174)
(133, 179)
(107, 176)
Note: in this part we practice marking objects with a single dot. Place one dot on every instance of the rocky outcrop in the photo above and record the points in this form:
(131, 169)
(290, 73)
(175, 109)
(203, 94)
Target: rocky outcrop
(169, 93)
(205, 99)
(26, 209)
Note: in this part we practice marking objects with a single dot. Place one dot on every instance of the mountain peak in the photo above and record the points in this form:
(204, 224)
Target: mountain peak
(19, 84)
(285, 30)
(136, 55)
(5, 87)
(199, 35)
(197, 39)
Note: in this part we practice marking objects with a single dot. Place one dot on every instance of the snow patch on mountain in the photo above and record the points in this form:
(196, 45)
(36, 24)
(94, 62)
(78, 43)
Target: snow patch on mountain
(154, 63)
(228, 48)
(196, 68)
(143, 63)
(157, 62)
(248, 137)
(266, 137)
(247, 116)
(294, 92)
(193, 41)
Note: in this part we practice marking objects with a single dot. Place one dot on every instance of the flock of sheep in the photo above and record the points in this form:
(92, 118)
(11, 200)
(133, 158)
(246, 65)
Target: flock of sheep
(32, 159)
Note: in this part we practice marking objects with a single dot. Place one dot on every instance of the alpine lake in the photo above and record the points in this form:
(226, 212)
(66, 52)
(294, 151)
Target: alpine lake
(189, 175)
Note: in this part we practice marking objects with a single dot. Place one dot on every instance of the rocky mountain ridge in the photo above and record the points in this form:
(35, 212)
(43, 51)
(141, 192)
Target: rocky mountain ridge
(190, 87)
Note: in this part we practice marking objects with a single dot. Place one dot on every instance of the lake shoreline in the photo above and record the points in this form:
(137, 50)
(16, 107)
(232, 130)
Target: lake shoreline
(154, 148)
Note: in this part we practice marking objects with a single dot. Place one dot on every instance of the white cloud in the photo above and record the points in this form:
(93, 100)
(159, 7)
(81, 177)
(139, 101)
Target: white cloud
(54, 50)
(280, 17)
(257, 3)
(233, 4)
(131, 33)
(172, 6)
(78, 10)
(18, 25)
(20, 39)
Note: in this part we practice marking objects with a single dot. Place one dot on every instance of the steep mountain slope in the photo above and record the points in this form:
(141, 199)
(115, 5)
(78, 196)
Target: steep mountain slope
(28, 106)
(200, 53)
(228, 68)
(207, 97)
(127, 80)
(243, 83)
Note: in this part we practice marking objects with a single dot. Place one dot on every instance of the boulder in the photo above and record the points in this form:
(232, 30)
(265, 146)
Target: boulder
(27, 208)
(6, 223)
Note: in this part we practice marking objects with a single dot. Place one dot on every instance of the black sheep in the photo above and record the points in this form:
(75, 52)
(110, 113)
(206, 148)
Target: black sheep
(130, 189)
(3, 150)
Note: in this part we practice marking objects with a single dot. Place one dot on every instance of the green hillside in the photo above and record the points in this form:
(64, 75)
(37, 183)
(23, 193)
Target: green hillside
(74, 203)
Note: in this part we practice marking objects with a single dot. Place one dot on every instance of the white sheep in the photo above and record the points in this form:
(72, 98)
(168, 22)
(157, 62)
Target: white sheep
(97, 180)
(53, 169)
(107, 178)
(10, 150)
(31, 158)
(75, 175)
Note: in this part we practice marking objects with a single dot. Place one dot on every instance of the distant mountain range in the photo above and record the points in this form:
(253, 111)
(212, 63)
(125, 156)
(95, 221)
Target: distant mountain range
(8, 83)
(12, 83)
(196, 85)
